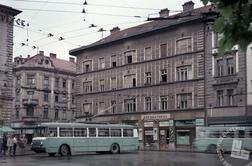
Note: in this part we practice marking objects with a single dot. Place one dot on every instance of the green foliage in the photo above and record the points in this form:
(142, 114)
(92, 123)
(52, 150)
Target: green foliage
(234, 22)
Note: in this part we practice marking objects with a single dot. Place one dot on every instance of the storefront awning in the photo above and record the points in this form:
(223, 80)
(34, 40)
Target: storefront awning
(6, 130)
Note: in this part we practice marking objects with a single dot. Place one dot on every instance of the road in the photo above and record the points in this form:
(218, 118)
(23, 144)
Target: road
(141, 158)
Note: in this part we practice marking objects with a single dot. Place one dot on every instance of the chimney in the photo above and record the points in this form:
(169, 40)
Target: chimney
(115, 29)
(41, 52)
(164, 13)
(71, 59)
(28, 56)
(188, 6)
(52, 55)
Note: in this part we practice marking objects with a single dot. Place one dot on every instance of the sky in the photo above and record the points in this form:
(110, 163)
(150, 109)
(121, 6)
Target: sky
(50, 21)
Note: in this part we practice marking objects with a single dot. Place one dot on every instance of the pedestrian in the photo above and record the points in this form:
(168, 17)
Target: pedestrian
(1, 145)
(10, 144)
(5, 147)
(14, 140)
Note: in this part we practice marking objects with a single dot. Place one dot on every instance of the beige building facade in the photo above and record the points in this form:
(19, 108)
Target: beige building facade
(164, 76)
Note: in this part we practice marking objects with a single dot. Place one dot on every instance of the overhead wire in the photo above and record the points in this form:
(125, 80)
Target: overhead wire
(89, 4)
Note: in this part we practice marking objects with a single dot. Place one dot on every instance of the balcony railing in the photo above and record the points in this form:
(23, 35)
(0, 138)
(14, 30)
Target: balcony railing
(30, 101)
(30, 118)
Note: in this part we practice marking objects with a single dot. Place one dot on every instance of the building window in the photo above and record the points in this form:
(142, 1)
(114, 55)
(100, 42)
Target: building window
(86, 108)
(31, 79)
(30, 94)
(184, 45)
(147, 53)
(64, 98)
(113, 61)
(220, 98)
(130, 81)
(56, 114)
(64, 114)
(17, 113)
(113, 106)
(163, 75)
(220, 71)
(164, 102)
(73, 84)
(148, 104)
(18, 80)
(184, 101)
(130, 57)
(101, 63)
(102, 85)
(87, 87)
(46, 97)
(147, 78)
(64, 83)
(56, 98)
(230, 66)
(101, 108)
(87, 66)
(130, 105)
(46, 81)
(45, 115)
(30, 111)
(184, 73)
(56, 82)
(113, 84)
(230, 97)
(163, 50)
(73, 99)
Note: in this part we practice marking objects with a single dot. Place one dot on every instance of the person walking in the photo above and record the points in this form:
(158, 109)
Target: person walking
(1, 145)
(14, 140)
(10, 144)
(5, 147)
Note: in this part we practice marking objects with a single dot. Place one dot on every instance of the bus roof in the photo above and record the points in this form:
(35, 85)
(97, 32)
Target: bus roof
(74, 124)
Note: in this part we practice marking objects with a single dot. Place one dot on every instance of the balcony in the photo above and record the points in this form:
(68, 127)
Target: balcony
(30, 102)
(30, 118)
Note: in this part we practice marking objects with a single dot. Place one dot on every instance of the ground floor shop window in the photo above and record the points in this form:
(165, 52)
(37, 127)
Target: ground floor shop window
(164, 136)
(148, 134)
(183, 137)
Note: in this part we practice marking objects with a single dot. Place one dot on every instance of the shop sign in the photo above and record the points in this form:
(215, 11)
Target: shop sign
(28, 131)
(185, 123)
(164, 124)
(6, 18)
(200, 122)
(148, 132)
(156, 117)
(148, 124)
(171, 122)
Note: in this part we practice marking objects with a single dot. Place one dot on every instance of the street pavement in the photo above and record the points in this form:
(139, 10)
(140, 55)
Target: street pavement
(140, 158)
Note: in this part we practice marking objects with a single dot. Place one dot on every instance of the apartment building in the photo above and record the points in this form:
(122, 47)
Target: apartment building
(162, 77)
(44, 91)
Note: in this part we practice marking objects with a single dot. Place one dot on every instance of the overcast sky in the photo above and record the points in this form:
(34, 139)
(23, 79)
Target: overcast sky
(73, 26)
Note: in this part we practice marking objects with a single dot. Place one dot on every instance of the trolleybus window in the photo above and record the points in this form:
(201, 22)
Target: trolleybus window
(66, 132)
(80, 132)
(116, 133)
(102, 132)
(128, 132)
(52, 132)
(92, 132)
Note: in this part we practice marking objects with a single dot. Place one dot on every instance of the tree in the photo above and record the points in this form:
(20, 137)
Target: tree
(234, 22)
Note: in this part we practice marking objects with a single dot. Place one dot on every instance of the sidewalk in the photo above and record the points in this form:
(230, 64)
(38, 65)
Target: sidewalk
(19, 152)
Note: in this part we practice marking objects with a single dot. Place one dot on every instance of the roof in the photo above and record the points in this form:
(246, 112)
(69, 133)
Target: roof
(58, 64)
(61, 124)
(9, 10)
(63, 65)
(152, 26)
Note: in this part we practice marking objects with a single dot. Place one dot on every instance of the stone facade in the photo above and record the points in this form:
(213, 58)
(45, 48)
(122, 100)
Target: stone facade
(7, 15)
